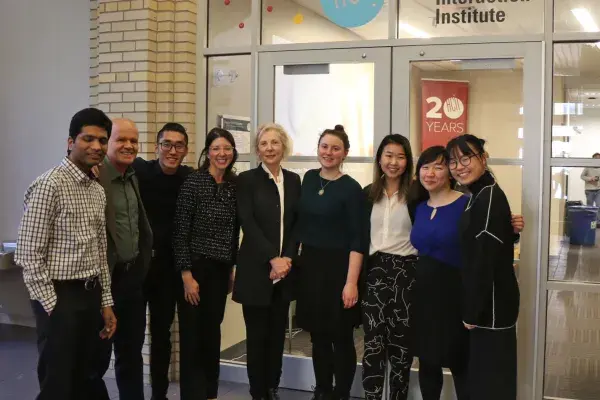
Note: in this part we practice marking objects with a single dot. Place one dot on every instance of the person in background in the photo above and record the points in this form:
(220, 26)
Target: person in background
(330, 234)
(491, 290)
(129, 254)
(267, 199)
(205, 242)
(159, 182)
(61, 247)
(389, 271)
(591, 176)
(441, 340)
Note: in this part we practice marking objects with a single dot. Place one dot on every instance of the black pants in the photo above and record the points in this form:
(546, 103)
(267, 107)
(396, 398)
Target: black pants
(200, 332)
(431, 381)
(130, 310)
(334, 354)
(492, 364)
(265, 338)
(162, 288)
(66, 341)
(386, 311)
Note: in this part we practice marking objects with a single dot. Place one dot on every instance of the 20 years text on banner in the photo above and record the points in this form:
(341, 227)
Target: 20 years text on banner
(444, 106)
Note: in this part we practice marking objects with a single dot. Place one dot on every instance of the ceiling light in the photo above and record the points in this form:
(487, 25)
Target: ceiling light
(585, 19)
(411, 30)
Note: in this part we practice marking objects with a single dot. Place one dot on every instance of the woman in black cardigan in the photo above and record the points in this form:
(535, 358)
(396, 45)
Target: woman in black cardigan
(267, 197)
(491, 291)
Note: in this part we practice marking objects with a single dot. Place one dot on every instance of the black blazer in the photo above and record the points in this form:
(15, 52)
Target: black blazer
(259, 215)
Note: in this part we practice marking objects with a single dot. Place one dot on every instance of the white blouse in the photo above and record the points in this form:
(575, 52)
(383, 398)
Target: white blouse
(390, 227)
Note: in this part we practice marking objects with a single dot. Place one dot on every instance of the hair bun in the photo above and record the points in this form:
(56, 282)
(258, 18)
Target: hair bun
(340, 128)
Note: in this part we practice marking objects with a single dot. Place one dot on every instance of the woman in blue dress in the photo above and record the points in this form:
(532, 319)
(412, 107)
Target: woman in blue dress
(441, 339)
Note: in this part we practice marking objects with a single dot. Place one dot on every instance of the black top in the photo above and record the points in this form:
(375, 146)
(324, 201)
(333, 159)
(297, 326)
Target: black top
(205, 221)
(159, 194)
(259, 211)
(491, 298)
(334, 219)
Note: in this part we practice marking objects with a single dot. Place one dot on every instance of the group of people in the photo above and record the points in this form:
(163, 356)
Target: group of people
(427, 270)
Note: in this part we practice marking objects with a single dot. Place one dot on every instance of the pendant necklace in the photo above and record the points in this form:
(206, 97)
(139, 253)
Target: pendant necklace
(322, 190)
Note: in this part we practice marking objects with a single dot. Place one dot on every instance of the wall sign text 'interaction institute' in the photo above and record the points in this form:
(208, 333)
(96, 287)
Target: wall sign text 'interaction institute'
(471, 15)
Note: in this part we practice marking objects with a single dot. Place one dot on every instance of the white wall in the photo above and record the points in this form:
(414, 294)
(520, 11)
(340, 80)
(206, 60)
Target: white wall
(44, 69)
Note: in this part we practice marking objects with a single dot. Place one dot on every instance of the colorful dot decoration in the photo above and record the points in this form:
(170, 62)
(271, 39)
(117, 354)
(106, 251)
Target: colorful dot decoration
(269, 8)
(227, 2)
(241, 25)
(298, 18)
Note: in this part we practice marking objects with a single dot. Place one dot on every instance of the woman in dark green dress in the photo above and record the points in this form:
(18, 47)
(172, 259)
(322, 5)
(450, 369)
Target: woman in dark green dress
(329, 260)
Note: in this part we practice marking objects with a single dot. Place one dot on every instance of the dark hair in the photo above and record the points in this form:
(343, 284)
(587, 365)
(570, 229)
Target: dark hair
(89, 117)
(173, 127)
(418, 193)
(213, 135)
(596, 154)
(467, 144)
(378, 186)
(339, 132)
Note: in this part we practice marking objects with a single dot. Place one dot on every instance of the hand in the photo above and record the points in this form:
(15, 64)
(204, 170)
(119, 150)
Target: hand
(273, 275)
(518, 223)
(469, 327)
(281, 266)
(191, 288)
(231, 281)
(350, 295)
(110, 323)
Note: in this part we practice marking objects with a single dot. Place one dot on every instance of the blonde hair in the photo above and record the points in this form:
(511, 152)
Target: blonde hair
(283, 136)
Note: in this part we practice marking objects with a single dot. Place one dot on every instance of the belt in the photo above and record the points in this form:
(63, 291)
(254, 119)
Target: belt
(88, 283)
(125, 265)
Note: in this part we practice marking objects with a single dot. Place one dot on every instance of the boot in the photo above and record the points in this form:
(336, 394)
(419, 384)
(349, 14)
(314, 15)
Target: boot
(273, 394)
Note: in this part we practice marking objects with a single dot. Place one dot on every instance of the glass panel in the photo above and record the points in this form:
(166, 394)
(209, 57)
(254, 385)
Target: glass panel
(312, 98)
(510, 179)
(576, 121)
(229, 99)
(228, 23)
(576, 16)
(308, 21)
(362, 172)
(572, 344)
(441, 18)
(483, 97)
(574, 254)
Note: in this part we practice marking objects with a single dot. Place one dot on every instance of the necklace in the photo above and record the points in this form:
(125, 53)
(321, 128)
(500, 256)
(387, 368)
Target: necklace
(322, 190)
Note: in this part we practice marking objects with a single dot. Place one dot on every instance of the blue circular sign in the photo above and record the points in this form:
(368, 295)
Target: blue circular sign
(351, 13)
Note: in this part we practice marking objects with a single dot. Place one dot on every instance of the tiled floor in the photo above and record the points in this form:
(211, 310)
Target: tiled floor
(18, 379)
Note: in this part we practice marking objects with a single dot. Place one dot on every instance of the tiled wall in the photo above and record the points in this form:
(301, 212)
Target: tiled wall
(143, 67)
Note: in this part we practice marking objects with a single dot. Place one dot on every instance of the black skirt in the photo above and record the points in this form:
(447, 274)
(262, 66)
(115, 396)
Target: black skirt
(321, 277)
(440, 337)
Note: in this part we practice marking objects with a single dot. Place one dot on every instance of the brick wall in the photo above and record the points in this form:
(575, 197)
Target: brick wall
(143, 67)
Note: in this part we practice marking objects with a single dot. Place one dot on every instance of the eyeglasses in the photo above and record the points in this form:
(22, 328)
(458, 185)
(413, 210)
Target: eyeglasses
(167, 146)
(464, 161)
(226, 150)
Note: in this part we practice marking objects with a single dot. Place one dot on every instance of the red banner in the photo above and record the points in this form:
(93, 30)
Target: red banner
(444, 107)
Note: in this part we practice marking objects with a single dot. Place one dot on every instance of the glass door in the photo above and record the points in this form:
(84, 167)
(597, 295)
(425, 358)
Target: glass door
(307, 92)
(495, 92)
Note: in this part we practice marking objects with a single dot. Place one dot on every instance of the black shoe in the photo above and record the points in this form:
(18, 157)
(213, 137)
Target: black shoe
(273, 394)
(322, 395)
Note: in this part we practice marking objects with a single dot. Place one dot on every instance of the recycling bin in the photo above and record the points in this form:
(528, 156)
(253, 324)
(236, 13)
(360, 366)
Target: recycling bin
(582, 225)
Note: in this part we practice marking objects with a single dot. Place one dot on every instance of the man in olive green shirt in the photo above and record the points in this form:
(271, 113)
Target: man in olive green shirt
(129, 253)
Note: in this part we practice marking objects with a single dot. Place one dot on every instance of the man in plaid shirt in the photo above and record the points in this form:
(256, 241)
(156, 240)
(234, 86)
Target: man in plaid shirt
(62, 249)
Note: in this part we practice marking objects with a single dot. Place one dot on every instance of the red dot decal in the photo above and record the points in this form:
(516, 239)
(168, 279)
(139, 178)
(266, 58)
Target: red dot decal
(227, 2)
(269, 8)
(241, 25)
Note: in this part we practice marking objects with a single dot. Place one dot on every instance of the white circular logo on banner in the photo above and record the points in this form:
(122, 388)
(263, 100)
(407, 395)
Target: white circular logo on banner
(454, 108)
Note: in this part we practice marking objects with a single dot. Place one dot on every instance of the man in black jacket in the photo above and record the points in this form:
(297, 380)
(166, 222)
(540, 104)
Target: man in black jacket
(160, 181)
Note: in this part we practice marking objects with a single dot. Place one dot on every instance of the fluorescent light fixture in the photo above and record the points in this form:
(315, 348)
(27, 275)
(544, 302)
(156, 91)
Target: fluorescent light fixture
(585, 19)
(411, 30)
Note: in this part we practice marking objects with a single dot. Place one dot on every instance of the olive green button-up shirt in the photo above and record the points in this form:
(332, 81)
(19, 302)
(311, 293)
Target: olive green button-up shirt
(125, 204)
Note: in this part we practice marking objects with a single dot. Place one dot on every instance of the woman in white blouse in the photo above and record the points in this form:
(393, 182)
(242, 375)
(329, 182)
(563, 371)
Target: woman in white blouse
(389, 271)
